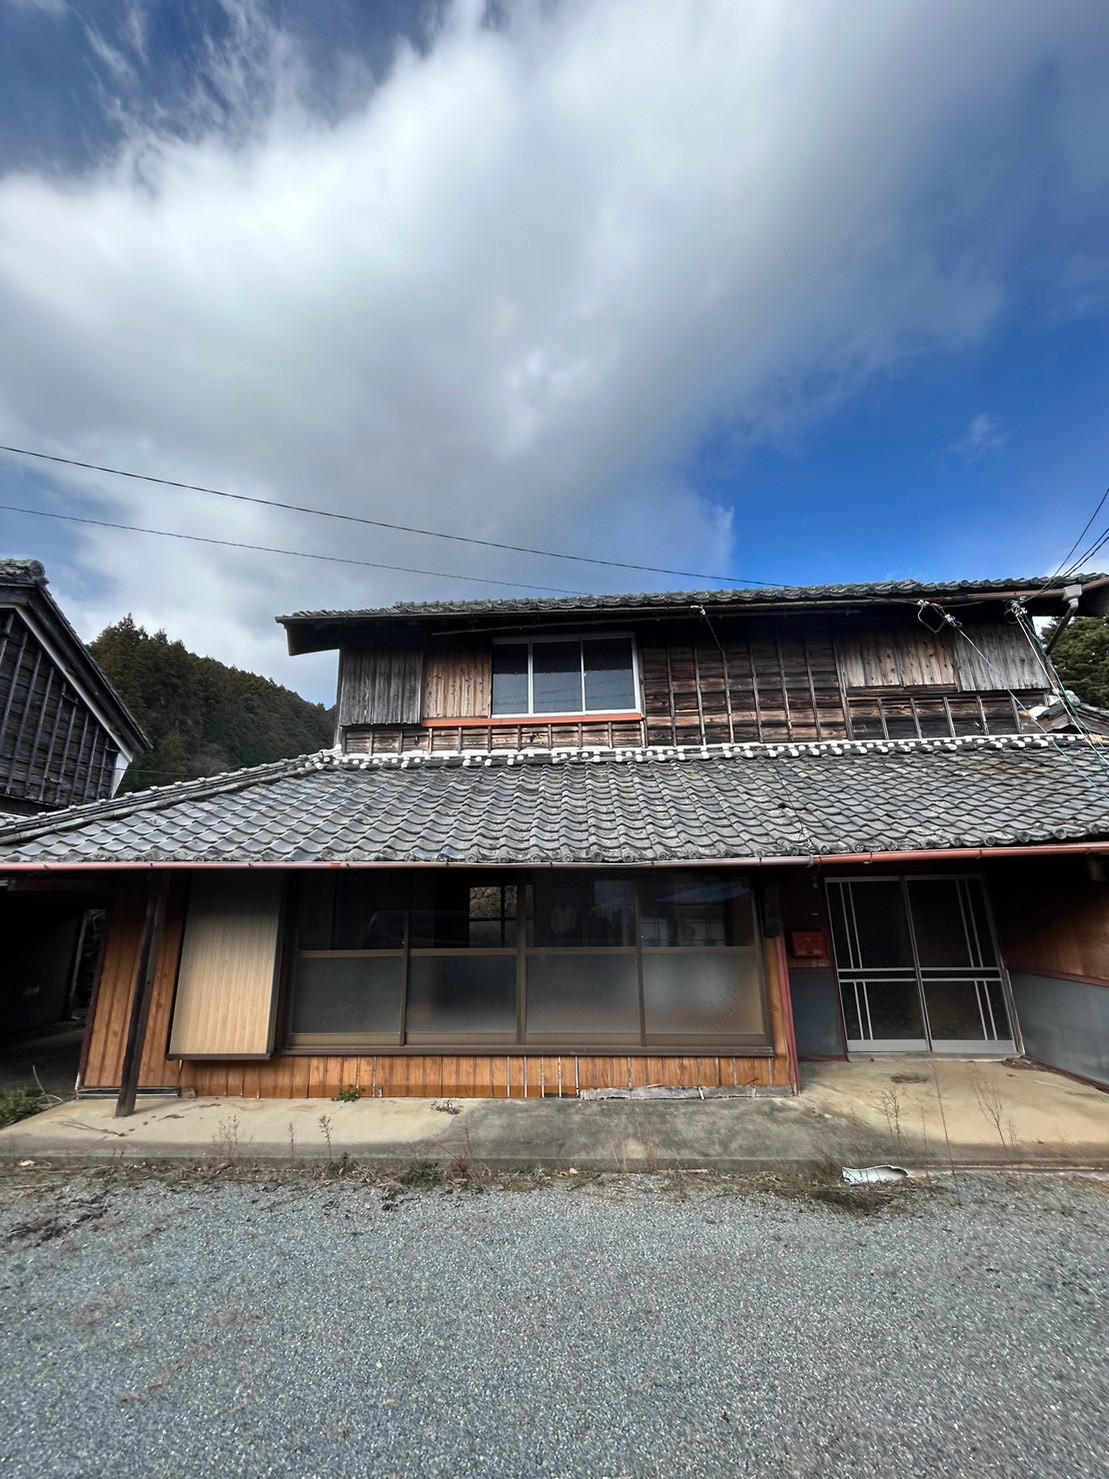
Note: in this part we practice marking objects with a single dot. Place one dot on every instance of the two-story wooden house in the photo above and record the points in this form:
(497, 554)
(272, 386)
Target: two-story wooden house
(607, 842)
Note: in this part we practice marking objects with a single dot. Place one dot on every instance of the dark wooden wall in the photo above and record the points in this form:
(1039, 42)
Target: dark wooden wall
(53, 749)
(736, 679)
(1051, 920)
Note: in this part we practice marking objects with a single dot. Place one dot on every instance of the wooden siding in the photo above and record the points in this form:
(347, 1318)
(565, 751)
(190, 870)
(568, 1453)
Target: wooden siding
(736, 680)
(111, 1008)
(906, 713)
(1007, 660)
(762, 685)
(898, 659)
(53, 749)
(914, 657)
(450, 739)
(398, 1075)
(227, 982)
(458, 679)
(384, 686)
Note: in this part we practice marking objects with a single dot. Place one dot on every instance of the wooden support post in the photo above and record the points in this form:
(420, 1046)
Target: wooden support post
(142, 996)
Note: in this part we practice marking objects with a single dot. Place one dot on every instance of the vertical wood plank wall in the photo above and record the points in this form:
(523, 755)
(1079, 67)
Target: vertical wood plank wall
(382, 686)
(486, 1076)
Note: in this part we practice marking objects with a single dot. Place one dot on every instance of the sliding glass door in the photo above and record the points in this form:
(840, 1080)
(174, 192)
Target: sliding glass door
(918, 966)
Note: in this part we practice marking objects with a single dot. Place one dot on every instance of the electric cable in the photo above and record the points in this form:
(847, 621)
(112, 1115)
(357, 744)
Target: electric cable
(517, 585)
(1044, 659)
(1063, 563)
(1019, 703)
(323, 513)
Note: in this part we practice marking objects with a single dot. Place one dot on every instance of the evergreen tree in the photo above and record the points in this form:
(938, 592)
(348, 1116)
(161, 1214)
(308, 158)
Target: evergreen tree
(202, 717)
(1081, 656)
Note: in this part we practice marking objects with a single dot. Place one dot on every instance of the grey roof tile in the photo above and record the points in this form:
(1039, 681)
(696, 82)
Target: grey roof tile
(741, 801)
(872, 590)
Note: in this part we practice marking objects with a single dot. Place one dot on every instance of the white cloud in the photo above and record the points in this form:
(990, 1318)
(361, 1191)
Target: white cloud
(985, 433)
(512, 286)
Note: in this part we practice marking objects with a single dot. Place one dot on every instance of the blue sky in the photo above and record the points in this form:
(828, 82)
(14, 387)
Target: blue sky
(788, 291)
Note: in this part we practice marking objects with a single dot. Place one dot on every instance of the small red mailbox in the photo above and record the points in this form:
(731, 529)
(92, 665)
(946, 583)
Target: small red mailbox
(806, 944)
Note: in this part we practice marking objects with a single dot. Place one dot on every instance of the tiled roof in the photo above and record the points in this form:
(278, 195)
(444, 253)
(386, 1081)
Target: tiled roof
(22, 572)
(888, 590)
(600, 806)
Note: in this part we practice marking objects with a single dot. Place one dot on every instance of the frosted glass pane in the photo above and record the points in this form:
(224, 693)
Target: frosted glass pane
(344, 995)
(708, 994)
(582, 995)
(450, 995)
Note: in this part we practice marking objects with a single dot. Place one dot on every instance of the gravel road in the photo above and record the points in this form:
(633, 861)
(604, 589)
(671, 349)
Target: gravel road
(163, 1326)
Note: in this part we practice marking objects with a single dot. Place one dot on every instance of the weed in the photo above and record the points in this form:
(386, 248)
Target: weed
(992, 1106)
(348, 1096)
(21, 1104)
(820, 1189)
(324, 1123)
(447, 1106)
(421, 1173)
(889, 1102)
(225, 1142)
(292, 1141)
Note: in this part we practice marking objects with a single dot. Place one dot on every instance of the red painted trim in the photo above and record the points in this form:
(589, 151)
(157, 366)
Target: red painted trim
(787, 1012)
(526, 721)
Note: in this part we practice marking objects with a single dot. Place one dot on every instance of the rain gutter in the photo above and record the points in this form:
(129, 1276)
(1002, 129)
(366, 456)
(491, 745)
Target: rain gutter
(794, 860)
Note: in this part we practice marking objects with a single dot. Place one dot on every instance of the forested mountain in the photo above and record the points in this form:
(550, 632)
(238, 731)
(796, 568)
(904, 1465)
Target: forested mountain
(202, 717)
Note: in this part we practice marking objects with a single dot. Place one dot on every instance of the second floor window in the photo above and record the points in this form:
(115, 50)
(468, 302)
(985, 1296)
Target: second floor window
(583, 675)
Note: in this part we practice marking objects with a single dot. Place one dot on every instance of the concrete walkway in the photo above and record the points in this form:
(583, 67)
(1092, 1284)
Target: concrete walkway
(911, 1111)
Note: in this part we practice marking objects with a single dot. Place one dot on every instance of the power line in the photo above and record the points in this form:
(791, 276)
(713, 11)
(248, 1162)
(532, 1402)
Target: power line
(1018, 702)
(1044, 658)
(1074, 565)
(299, 554)
(324, 513)
(1087, 553)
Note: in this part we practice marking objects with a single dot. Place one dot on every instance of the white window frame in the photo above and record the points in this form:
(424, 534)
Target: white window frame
(581, 638)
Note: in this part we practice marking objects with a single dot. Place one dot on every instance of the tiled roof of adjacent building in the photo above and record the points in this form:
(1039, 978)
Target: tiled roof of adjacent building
(600, 806)
(22, 572)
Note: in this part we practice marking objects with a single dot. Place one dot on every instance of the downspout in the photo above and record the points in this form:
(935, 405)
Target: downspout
(1073, 594)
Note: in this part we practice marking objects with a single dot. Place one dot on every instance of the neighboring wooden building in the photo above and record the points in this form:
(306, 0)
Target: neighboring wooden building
(65, 734)
(615, 842)
(65, 737)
